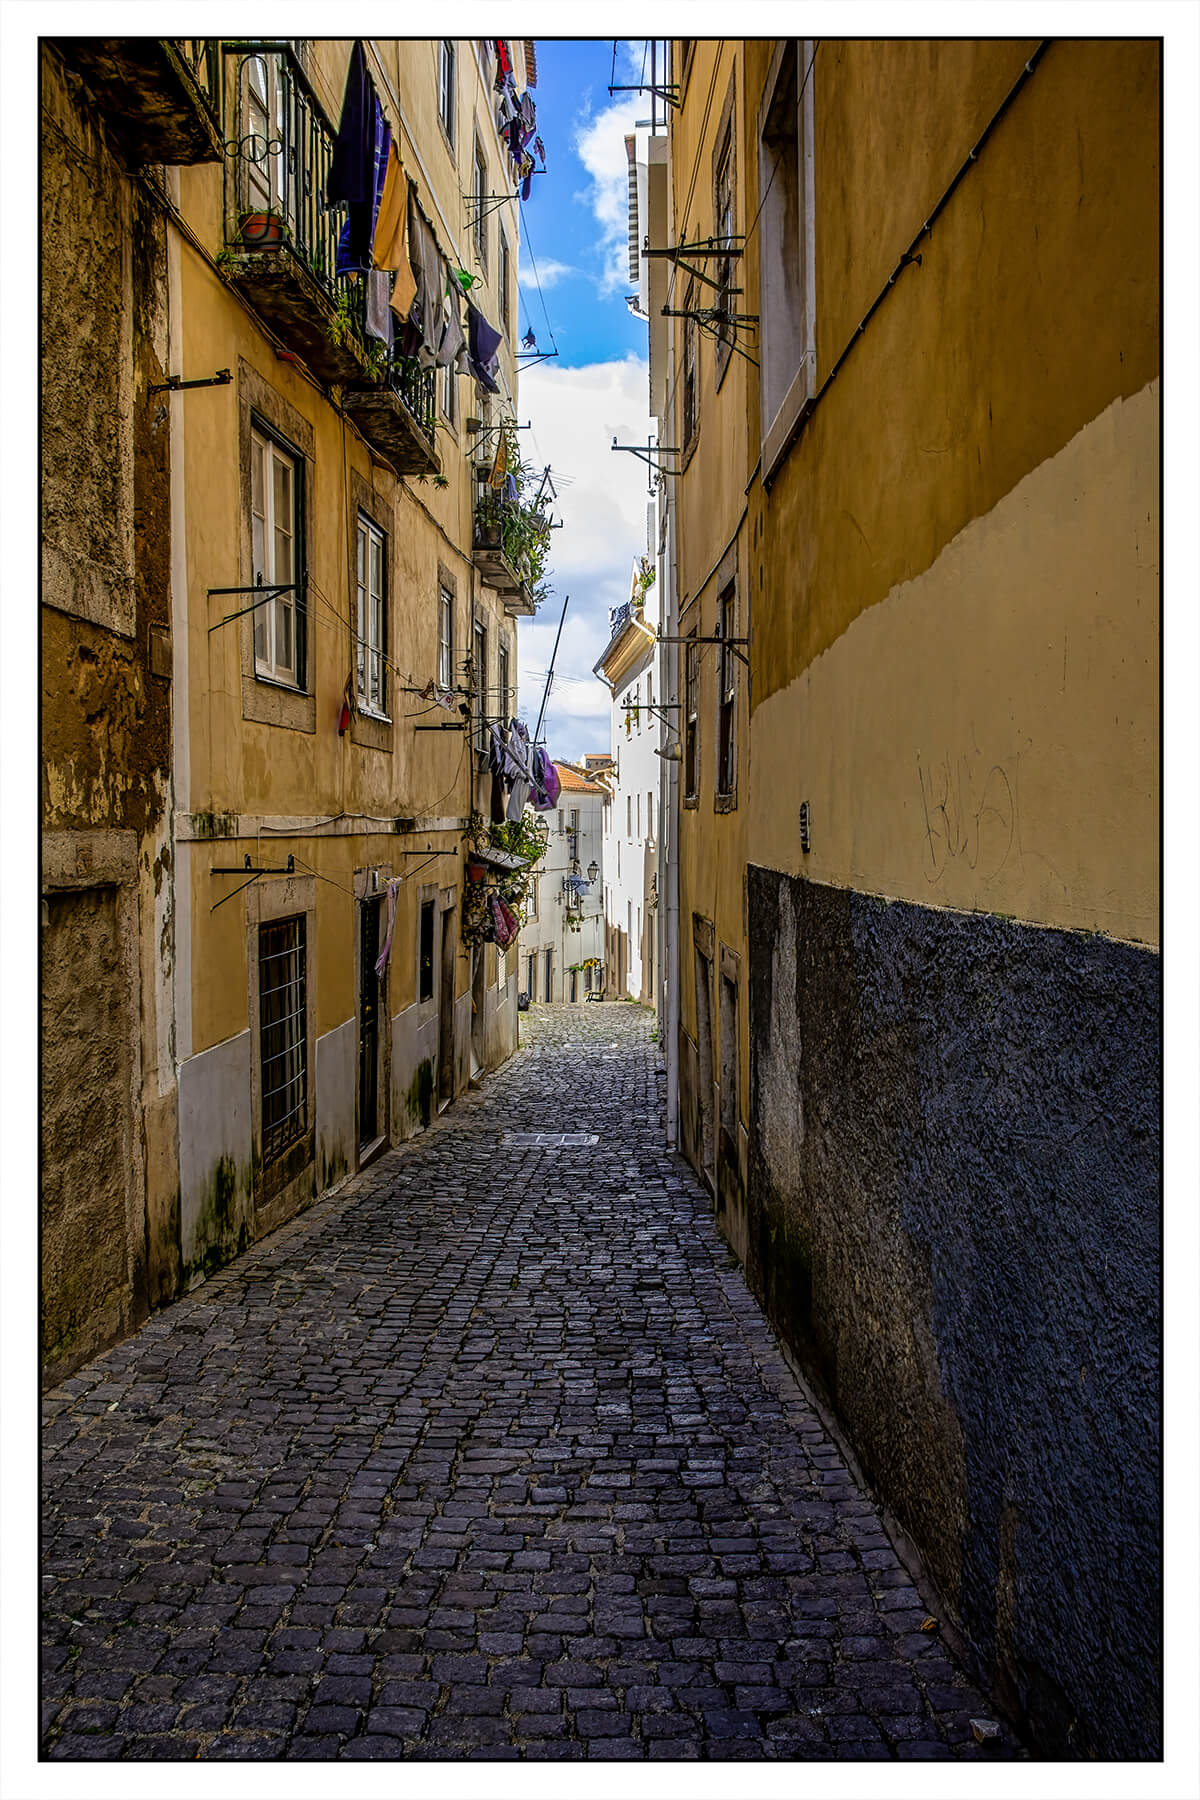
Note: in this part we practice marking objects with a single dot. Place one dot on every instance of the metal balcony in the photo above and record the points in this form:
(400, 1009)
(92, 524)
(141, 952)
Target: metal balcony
(398, 415)
(280, 236)
(161, 97)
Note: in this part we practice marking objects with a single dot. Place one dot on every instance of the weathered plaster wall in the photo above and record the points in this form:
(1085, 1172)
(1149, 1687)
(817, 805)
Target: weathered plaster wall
(215, 1156)
(954, 1220)
(336, 1085)
(414, 1069)
(1035, 306)
(987, 736)
(93, 1277)
(106, 698)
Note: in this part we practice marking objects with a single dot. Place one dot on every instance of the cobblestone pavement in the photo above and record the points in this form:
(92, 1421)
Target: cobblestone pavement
(490, 1454)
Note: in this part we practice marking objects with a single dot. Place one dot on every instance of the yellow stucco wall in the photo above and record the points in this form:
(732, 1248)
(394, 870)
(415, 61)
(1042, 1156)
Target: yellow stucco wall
(255, 769)
(986, 737)
(1035, 305)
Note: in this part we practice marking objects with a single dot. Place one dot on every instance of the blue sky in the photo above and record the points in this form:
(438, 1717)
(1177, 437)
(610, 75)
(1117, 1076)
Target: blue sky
(573, 277)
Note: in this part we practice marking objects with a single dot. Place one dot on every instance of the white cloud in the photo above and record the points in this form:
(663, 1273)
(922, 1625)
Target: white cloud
(575, 414)
(551, 271)
(600, 146)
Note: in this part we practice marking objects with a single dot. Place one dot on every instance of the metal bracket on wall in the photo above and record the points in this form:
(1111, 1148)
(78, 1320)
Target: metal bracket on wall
(248, 868)
(264, 593)
(730, 643)
(650, 450)
(731, 246)
(175, 384)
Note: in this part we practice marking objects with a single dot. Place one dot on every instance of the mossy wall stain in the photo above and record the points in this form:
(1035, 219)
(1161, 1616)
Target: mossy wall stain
(419, 1098)
(222, 1230)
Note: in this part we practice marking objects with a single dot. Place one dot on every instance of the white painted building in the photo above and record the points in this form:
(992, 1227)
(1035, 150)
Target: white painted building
(561, 946)
(632, 821)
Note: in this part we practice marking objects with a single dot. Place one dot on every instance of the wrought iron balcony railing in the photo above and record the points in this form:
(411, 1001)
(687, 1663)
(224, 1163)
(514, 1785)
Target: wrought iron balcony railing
(202, 58)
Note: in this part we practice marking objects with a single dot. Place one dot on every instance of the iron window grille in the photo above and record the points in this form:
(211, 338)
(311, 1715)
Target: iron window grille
(283, 1033)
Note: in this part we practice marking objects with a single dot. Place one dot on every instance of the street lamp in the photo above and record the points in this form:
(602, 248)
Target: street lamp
(593, 871)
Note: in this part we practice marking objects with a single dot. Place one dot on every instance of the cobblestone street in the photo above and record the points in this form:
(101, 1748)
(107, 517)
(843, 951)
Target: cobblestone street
(491, 1454)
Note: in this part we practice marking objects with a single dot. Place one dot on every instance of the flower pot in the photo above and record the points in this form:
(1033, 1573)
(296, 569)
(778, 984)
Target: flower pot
(261, 230)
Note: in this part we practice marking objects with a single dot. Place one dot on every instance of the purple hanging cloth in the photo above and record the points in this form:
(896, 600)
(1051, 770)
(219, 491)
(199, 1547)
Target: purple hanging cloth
(352, 168)
(358, 233)
(483, 344)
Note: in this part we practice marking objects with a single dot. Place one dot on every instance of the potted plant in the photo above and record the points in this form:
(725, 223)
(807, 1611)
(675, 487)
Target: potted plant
(262, 229)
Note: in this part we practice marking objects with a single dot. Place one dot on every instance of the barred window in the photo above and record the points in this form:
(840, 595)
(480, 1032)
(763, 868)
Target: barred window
(283, 1033)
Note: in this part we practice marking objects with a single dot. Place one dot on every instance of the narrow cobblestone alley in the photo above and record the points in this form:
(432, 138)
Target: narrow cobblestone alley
(491, 1454)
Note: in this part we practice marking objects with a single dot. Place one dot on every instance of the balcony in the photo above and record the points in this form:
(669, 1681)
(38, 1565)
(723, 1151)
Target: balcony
(398, 415)
(280, 237)
(509, 549)
(160, 97)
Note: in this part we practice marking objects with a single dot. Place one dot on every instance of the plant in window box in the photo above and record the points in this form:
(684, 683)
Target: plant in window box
(262, 229)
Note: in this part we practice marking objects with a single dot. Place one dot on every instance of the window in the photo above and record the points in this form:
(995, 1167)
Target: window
(448, 393)
(446, 639)
(727, 699)
(480, 672)
(264, 135)
(481, 206)
(650, 814)
(282, 1034)
(276, 549)
(629, 815)
(371, 675)
(691, 745)
(533, 899)
(446, 83)
(724, 228)
(425, 953)
(638, 804)
(787, 274)
(573, 835)
(691, 369)
(502, 680)
(505, 280)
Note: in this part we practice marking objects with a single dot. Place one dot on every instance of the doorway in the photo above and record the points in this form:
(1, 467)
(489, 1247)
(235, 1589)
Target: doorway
(446, 1012)
(370, 988)
(704, 1047)
(478, 1000)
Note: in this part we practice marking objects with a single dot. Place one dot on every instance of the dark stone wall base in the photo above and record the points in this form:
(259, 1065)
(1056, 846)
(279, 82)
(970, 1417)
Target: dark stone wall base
(952, 1218)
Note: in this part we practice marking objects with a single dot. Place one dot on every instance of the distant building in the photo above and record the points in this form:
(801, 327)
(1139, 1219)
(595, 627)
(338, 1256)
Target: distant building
(632, 815)
(561, 946)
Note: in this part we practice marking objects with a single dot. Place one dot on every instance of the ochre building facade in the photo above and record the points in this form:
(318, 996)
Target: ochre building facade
(917, 427)
(249, 800)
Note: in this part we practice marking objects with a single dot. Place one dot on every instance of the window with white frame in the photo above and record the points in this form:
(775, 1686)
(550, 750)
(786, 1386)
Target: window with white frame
(276, 553)
(505, 282)
(371, 634)
(481, 205)
(445, 639)
(787, 268)
(726, 784)
(691, 722)
(690, 403)
(282, 1033)
(446, 85)
(481, 693)
(502, 681)
(724, 227)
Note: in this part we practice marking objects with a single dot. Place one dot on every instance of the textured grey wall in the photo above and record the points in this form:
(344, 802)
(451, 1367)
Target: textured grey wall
(954, 1220)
